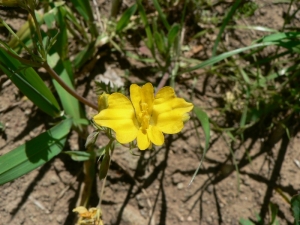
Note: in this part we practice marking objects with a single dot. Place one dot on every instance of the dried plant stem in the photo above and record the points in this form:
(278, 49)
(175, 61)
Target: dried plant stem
(67, 88)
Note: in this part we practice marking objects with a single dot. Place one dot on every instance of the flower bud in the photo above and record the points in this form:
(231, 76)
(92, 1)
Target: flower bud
(103, 101)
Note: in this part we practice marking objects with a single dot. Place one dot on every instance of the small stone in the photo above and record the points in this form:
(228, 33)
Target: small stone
(60, 219)
(190, 219)
(209, 219)
(179, 186)
(209, 189)
(32, 134)
(53, 180)
(27, 112)
(147, 155)
(176, 178)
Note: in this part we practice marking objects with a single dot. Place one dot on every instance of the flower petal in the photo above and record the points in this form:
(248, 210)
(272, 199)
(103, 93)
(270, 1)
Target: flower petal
(120, 117)
(142, 94)
(169, 112)
(164, 94)
(155, 135)
(148, 96)
(143, 141)
(135, 97)
(170, 122)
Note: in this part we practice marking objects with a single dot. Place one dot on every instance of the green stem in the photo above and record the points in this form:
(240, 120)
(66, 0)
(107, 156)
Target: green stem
(24, 61)
(15, 35)
(38, 30)
(67, 88)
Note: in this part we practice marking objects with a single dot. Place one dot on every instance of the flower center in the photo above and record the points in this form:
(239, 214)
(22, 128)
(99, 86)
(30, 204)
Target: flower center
(144, 116)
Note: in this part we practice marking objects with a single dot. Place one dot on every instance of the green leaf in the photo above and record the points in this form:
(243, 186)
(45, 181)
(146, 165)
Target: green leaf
(173, 34)
(226, 20)
(280, 36)
(246, 222)
(160, 43)
(143, 15)
(125, 19)
(24, 34)
(79, 155)
(161, 14)
(274, 211)
(295, 203)
(34, 153)
(85, 10)
(63, 69)
(61, 45)
(29, 83)
(225, 55)
(84, 55)
(204, 120)
(104, 166)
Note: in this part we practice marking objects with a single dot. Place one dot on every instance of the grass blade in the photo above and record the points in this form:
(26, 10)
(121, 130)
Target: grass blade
(84, 9)
(204, 120)
(224, 24)
(125, 19)
(30, 84)
(34, 153)
(225, 55)
(161, 14)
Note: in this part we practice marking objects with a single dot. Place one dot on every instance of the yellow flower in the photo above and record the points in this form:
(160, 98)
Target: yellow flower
(146, 117)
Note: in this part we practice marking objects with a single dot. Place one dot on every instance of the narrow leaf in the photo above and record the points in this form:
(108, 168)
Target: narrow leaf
(204, 120)
(226, 20)
(79, 155)
(160, 44)
(173, 33)
(295, 203)
(161, 14)
(70, 104)
(125, 19)
(143, 15)
(104, 166)
(34, 153)
(29, 83)
(225, 55)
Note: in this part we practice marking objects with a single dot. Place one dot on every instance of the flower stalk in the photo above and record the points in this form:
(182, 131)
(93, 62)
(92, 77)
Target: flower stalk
(67, 88)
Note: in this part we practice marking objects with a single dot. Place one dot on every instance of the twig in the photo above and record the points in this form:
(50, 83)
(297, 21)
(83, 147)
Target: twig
(67, 88)
(38, 204)
(162, 82)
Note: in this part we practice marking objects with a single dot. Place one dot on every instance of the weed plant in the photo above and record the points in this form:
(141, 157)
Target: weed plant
(254, 87)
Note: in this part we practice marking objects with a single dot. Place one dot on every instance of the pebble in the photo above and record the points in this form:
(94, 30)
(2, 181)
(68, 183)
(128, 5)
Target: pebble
(179, 186)
(60, 219)
(190, 219)
(209, 219)
(176, 178)
(181, 218)
(53, 180)
(27, 112)
(209, 189)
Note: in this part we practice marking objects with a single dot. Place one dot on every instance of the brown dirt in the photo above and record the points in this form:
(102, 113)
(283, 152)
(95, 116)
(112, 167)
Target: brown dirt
(153, 188)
